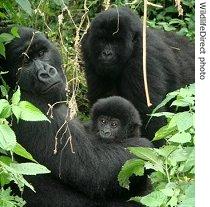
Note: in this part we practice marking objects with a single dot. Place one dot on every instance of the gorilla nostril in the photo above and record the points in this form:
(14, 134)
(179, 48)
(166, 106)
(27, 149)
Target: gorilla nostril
(107, 53)
(52, 71)
(106, 133)
(44, 75)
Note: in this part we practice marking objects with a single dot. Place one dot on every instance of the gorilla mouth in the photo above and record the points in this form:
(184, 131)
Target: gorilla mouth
(108, 63)
(50, 87)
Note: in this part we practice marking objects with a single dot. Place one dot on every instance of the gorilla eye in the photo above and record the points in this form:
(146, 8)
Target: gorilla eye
(41, 53)
(103, 121)
(26, 60)
(114, 124)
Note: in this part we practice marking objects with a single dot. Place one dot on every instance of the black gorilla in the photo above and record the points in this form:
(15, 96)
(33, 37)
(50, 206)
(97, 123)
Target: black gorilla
(87, 177)
(115, 119)
(112, 50)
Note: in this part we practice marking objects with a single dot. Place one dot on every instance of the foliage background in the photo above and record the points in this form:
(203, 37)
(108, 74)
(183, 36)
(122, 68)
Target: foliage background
(66, 21)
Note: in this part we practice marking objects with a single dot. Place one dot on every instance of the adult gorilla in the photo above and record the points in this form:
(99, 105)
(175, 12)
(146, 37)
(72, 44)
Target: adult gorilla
(87, 176)
(112, 50)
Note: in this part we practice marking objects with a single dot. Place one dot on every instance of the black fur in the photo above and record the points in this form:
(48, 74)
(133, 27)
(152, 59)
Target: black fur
(113, 62)
(120, 108)
(88, 175)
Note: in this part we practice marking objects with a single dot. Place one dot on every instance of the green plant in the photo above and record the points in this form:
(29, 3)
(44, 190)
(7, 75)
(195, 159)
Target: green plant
(173, 164)
(10, 170)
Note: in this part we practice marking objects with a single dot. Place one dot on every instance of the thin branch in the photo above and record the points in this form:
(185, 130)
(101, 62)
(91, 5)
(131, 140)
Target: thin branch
(145, 55)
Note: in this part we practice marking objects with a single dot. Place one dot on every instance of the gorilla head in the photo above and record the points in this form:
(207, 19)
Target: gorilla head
(35, 65)
(110, 40)
(114, 119)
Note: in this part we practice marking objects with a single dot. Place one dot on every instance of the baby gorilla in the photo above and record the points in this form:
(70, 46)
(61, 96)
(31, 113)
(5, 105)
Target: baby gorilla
(115, 119)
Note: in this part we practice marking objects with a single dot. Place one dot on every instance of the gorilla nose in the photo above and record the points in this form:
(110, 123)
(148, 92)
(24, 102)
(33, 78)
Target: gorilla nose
(47, 73)
(107, 54)
(106, 133)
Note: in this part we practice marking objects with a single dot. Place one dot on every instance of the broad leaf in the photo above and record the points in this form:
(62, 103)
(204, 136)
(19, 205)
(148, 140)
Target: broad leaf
(21, 151)
(14, 32)
(2, 49)
(26, 6)
(28, 112)
(154, 199)
(133, 166)
(29, 168)
(147, 154)
(16, 97)
(7, 137)
(181, 138)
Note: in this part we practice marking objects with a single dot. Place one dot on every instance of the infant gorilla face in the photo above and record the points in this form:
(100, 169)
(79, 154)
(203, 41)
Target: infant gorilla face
(108, 127)
(115, 119)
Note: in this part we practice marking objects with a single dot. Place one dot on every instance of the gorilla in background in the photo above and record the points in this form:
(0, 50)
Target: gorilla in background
(87, 177)
(112, 51)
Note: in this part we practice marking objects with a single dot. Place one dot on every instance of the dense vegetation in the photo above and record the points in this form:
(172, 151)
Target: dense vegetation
(65, 22)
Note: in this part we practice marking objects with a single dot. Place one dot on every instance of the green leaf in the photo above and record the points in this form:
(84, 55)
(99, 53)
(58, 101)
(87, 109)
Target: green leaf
(164, 132)
(158, 167)
(6, 112)
(28, 112)
(29, 168)
(173, 201)
(183, 120)
(188, 202)
(137, 199)
(7, 199)
(3, 105)
(181, 138)
(133, 166)
(2, 49)
(7, 137)
(190, 162)
(26, 6)
(147, 154)
(6, 160)
(166, 114)
(21, 151)
(6, 37)
(14, 32)
(154, 199)
(180, 103)
(14, 176)
(165, 151)
(17, 112)
(16, 97)
(178, 155)
(4, 91)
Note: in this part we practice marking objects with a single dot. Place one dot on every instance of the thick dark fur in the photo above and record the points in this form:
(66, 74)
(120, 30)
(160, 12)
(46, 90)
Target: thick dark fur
(87, 177)
(170, 62)
(120, 108)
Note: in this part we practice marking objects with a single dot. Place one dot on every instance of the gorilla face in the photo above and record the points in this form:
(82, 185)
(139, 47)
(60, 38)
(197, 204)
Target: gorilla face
(35, 65)
(108, 128)
(110, 41)
(115, 119)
